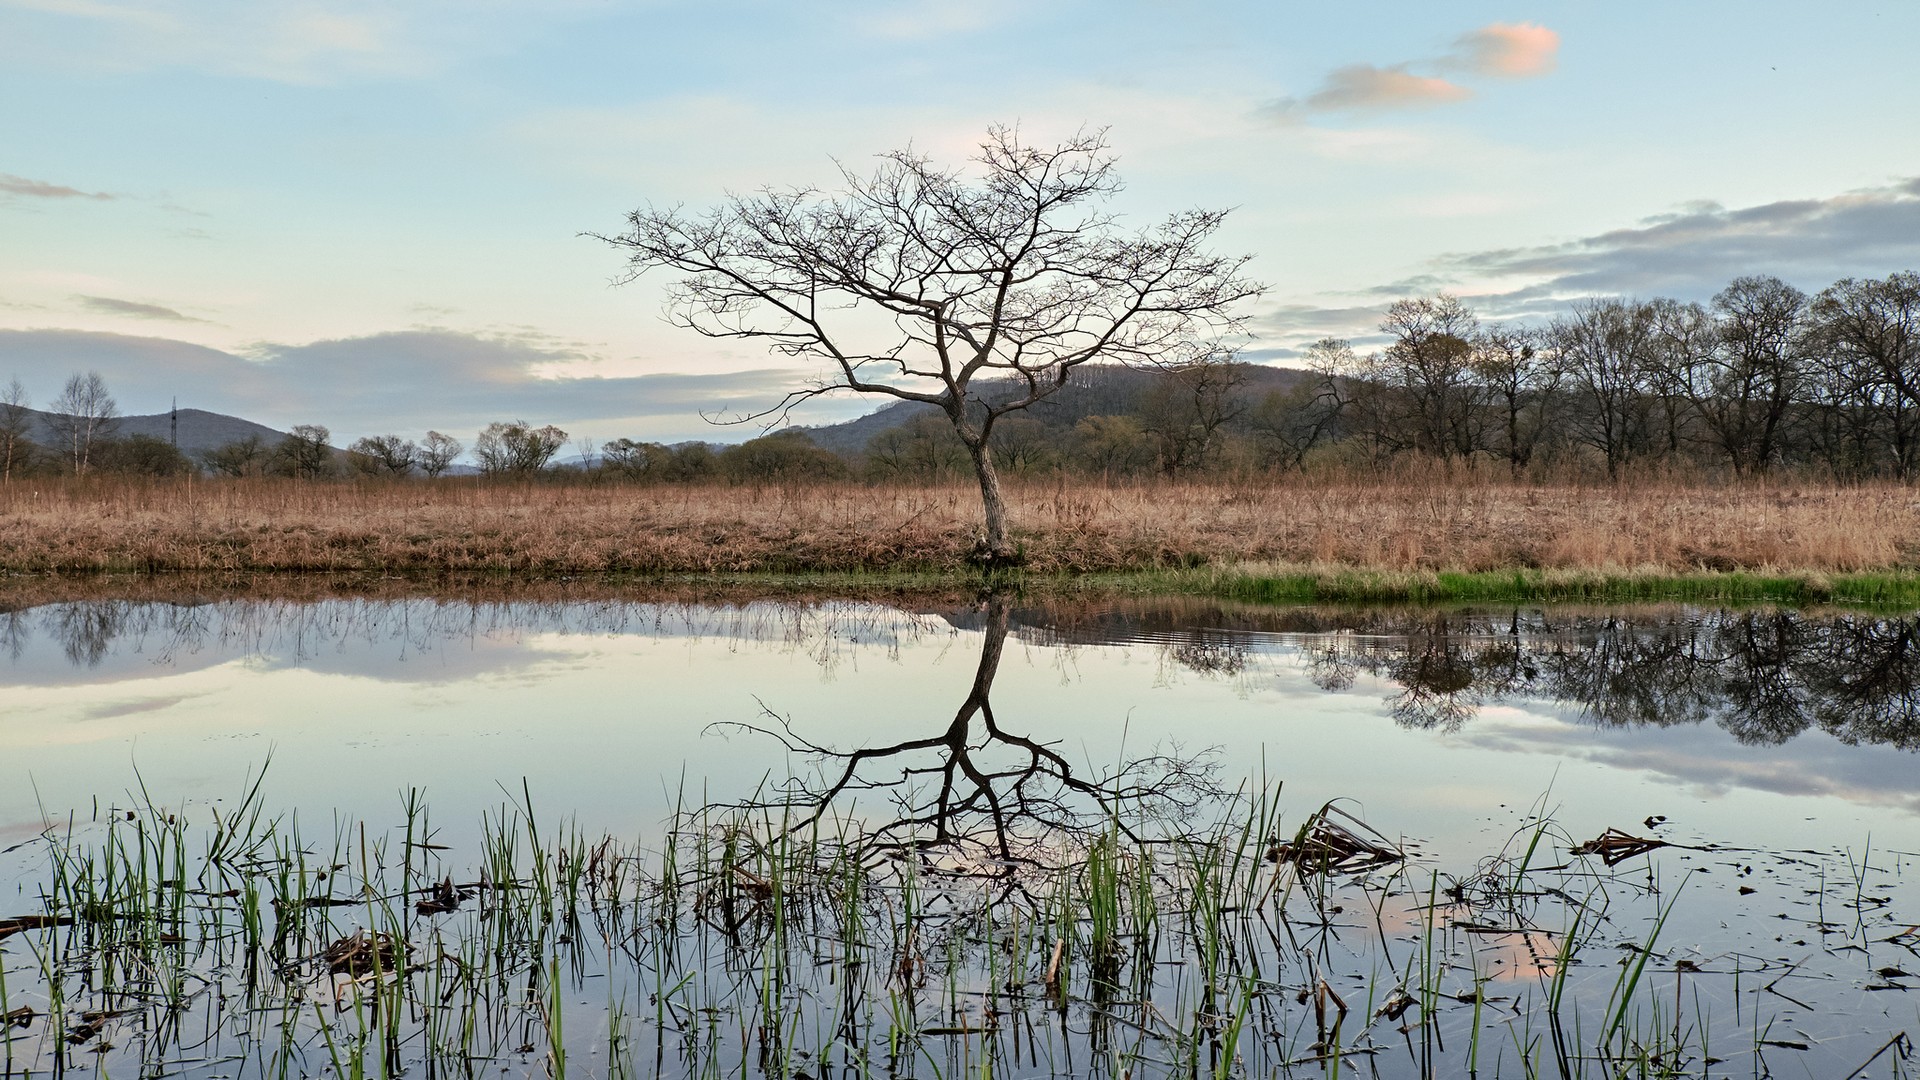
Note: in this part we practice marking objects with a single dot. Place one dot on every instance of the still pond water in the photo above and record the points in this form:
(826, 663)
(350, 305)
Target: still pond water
(984, 773)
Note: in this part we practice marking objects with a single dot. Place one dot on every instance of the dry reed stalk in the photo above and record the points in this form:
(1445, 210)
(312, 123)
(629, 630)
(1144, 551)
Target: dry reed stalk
(1395, 524)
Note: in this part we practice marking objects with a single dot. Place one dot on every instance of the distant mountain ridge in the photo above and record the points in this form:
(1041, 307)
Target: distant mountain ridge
(1093, 391)
(200, 430)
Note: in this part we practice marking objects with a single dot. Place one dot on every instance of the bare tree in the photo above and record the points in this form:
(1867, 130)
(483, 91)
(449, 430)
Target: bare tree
(1873, 328)
(84, 414)
(588, 451)
(1605, 346)
(924, 284)
(16, 419)
(437, 452)
(924, 448)
(1290, 423)
(241, 457)
(1426, 393)
(383, 455)
(1186, 408)
(304, 453)
(632, 460)
(1740, 366)
(1524, 383)
(517, 448)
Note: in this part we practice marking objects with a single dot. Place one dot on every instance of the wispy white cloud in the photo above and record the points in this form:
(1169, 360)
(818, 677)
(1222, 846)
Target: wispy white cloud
(107, 305)
(292, 41)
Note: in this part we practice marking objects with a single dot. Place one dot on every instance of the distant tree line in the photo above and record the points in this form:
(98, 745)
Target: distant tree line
(1760, 379)
(1763, 377)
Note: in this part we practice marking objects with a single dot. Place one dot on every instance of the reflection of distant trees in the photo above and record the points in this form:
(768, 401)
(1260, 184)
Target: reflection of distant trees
(1765, 675)
(86, 631)
(16, 629)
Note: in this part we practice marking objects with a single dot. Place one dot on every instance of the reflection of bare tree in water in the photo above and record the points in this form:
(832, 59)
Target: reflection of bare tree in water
(1867, 687)
(15, 632)
(977, 791)
(1438, 684)
(86, 630)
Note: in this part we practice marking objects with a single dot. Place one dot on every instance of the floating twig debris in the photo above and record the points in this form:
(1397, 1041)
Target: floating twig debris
(18, 923)
(1615, 847)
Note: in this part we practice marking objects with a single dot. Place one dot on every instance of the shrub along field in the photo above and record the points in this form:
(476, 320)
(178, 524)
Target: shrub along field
(1414, 526)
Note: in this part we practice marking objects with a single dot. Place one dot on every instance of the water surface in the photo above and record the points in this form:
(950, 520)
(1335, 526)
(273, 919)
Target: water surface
(1769, 754)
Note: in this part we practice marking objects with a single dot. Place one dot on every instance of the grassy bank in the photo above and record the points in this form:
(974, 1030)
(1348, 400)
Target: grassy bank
(1339, 585)
(1295, 539)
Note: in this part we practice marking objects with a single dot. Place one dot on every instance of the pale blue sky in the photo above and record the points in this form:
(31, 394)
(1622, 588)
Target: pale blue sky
(321, 212)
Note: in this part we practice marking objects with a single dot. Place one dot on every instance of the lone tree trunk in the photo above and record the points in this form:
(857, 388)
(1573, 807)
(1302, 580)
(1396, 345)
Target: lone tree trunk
(977, 294)
(995, 547)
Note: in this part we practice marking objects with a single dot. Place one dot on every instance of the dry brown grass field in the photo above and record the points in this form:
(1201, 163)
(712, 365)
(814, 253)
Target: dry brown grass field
(1065, 526)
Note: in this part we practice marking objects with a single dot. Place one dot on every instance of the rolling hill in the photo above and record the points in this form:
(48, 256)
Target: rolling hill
(199, 430)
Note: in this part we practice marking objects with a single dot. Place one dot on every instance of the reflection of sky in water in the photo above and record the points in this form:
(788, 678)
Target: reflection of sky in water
(607, 711)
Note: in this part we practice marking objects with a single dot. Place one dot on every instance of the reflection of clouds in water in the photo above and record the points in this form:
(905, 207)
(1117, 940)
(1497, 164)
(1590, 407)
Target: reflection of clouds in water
(108, 710)
(413, 641)
(1700, 696)
(1701, 758)
(15, 835)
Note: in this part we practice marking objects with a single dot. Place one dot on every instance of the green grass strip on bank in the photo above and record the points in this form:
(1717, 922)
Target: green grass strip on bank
(1309, 585)
(1246, 583)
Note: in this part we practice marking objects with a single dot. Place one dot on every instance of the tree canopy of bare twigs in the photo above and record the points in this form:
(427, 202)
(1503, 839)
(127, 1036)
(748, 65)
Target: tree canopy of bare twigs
(436, 453)
(15, 421)
(383, 455)
(304, 453)
(83, 415)
(929, 284)
(516, 448)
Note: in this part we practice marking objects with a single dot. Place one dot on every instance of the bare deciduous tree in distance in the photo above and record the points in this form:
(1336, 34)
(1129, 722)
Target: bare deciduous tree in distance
(83, 414)
(927, 284)
(437, 452)
(304, 453)
(1872, 328)
(15, 418)
(517, 448)
(383, 455)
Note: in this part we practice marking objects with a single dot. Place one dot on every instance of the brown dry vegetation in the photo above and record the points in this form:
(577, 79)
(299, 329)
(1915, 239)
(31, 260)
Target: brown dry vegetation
(1398, 524)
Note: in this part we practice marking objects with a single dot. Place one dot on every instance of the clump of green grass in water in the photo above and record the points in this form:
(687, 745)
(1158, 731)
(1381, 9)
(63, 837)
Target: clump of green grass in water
(1212, 946)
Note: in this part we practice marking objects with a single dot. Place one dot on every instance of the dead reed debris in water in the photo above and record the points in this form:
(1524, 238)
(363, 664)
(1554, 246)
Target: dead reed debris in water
(1333, 841)
(19, 923)
(1615, 847)
(363, 954)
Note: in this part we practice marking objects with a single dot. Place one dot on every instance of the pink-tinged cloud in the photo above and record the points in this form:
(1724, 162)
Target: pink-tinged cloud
(1364, 86)
(41, 189)
(1510, 50)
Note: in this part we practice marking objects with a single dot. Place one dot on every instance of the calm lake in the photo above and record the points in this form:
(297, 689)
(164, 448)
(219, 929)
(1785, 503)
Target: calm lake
(972, 764)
